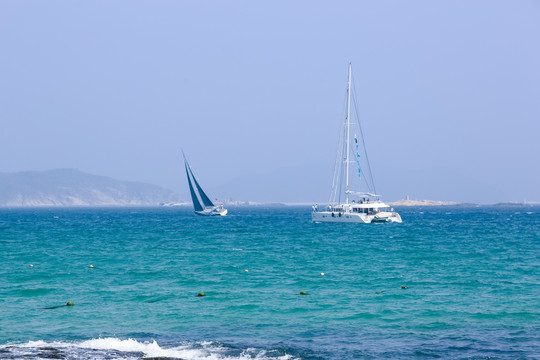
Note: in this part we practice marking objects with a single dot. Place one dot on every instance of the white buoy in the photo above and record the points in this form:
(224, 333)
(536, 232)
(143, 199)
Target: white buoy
(322, 274)
(31, 265)
(91, 266)
(246, 270)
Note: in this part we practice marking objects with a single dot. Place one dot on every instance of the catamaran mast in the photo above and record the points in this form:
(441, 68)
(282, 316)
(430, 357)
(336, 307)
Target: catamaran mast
(348, 133)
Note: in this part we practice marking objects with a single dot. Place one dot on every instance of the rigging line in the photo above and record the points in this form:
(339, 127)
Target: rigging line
(338, 164)
(338, 171)
(342, 161)
(362, 136)
(363, 179)
(335, 177)
(343, 153)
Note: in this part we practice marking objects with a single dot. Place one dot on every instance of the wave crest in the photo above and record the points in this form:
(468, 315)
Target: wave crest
(115, 348)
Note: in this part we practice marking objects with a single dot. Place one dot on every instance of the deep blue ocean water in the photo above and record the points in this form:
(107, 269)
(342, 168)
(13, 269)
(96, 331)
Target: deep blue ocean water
(472, 278)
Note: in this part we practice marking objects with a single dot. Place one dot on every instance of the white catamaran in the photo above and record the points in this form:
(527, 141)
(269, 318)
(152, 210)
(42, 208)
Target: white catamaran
(367, 207)
(207, 207)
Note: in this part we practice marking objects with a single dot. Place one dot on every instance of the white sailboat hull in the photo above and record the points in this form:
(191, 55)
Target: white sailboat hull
(212, 212)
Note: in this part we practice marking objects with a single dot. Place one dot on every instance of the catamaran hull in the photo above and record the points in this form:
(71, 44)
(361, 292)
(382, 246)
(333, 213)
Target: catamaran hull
(328, 216)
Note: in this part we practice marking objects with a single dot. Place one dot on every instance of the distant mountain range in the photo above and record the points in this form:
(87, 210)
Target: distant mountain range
(69, 187)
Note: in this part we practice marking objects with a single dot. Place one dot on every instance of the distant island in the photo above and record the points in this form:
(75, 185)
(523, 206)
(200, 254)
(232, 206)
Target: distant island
(70, 187)
(409, 202)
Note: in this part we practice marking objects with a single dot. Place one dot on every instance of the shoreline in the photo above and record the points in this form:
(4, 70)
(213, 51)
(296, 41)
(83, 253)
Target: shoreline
(409, 203)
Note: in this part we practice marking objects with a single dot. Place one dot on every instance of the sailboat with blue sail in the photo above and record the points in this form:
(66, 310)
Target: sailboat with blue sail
(202, 205)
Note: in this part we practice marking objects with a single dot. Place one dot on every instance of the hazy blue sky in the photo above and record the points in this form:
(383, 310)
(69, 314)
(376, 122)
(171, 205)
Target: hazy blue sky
(449, 94)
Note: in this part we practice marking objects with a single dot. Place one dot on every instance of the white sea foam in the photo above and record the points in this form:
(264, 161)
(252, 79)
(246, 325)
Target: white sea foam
(150, 349)
(40, 344)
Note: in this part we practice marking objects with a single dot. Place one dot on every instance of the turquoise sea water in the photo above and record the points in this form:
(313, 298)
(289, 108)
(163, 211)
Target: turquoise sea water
(472, 278)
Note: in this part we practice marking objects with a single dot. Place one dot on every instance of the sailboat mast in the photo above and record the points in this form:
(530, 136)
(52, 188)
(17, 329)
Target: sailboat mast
(348, 133)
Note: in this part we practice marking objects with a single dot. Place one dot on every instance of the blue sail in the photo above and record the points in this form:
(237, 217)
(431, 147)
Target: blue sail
(205, 199)
(196, 204)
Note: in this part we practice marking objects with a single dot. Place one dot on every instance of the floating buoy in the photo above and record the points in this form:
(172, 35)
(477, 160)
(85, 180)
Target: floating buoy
(69, 303)
(91, 266)
(322, 274)
(201, 294)
(246, 270)
(403, 287)
(303, 293)
(31, 265)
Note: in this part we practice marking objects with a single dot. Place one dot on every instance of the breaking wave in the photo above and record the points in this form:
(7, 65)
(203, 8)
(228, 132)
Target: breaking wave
(114, 348)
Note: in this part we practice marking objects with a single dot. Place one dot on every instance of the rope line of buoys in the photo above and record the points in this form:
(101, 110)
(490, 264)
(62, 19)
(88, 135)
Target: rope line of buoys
(89, 266)
(200, 294)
